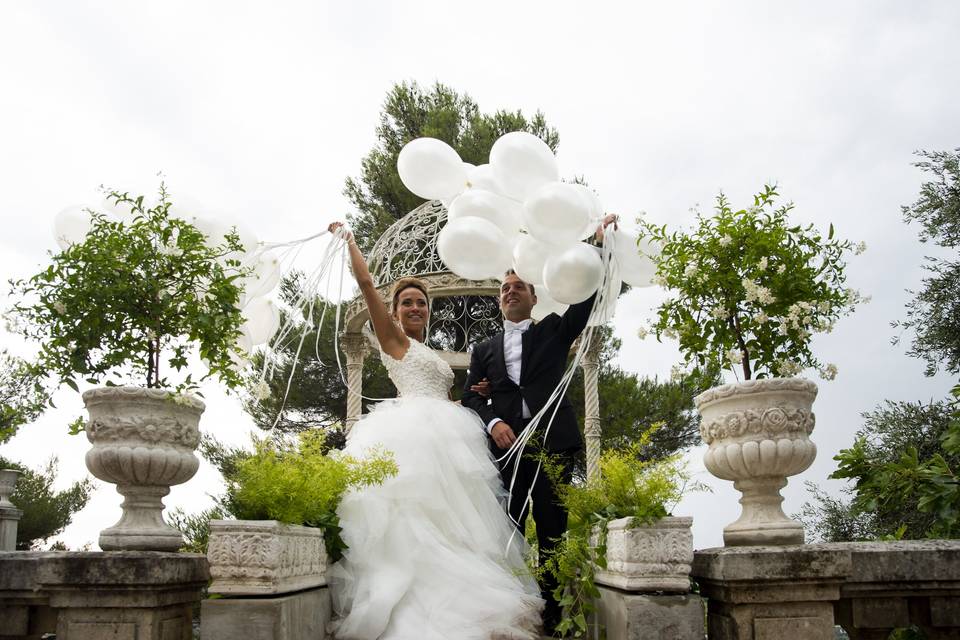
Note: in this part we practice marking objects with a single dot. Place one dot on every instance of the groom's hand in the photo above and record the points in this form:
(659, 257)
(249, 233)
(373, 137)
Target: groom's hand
(503, 435)
(482, 388)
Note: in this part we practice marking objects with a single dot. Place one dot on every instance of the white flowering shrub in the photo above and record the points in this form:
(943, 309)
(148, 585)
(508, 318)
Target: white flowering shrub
(128, 302)
(749, 289)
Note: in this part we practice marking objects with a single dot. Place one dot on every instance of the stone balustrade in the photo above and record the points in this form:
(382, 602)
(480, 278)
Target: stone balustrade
(119, 595)
(803, 591)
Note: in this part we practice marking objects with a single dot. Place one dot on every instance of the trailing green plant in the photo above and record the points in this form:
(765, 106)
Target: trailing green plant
(629, 485)
(749, 288)
(134, 290)
(296, 482)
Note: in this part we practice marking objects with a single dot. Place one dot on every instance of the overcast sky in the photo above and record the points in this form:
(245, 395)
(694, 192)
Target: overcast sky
(263, 109)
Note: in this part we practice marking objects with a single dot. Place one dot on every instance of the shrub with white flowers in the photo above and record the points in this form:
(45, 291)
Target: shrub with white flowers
(108, 309)
(749, 289)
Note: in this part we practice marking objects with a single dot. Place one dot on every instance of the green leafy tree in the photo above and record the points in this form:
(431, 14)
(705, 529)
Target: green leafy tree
(23, 396)
(46, 512)
(934, 313)
(111, 306)
(903, 465)
(409, 112)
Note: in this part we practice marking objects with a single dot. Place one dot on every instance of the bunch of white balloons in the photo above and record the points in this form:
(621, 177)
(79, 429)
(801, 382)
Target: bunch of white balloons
(516, 213)
(260, 313)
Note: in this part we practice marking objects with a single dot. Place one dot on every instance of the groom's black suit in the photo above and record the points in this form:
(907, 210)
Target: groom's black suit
(545, 347)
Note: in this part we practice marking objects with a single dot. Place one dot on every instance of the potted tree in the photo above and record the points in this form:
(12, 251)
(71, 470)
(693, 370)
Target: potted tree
(749, 290)
(127, 307)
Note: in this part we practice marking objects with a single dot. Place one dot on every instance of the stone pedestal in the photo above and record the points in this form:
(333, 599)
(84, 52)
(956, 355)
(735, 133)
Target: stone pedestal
(9, 518)
(298, 616)
(635, 616)
(9, 514)
(770, 593)
(272, 576)
(93, 596)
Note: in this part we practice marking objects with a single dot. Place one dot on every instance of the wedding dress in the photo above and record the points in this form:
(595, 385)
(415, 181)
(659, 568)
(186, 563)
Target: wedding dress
(430, 552)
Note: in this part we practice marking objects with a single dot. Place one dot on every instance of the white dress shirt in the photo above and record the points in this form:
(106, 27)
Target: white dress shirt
(512, 357)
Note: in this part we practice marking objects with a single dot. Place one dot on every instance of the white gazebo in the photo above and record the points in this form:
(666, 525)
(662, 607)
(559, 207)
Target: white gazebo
(463, 312)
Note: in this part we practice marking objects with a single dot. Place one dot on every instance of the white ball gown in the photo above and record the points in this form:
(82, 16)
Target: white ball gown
(430, 551)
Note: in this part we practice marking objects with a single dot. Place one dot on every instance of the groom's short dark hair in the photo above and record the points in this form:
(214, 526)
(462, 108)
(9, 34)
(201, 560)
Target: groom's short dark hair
(511, 272)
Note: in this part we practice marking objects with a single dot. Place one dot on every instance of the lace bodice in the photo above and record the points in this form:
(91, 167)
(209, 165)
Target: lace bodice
(421, 372)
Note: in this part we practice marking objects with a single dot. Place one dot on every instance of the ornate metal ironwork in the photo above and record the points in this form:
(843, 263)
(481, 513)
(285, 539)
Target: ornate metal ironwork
(458, 322)
(409, 246)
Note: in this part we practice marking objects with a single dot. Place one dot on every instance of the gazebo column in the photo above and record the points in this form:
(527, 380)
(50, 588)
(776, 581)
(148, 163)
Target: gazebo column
(354, 346)
(591, 401)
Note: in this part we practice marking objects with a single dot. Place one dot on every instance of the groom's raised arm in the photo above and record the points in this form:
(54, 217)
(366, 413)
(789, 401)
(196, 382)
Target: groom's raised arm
(471, 399)
(574, 320)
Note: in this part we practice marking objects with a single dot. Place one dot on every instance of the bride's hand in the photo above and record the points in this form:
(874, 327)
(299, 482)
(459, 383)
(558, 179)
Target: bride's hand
(341, 231)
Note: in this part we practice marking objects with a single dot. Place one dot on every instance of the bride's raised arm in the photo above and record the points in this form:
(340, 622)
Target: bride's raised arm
(392, 339)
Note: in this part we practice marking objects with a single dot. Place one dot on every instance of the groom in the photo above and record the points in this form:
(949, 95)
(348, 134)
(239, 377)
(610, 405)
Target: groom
(521, 367)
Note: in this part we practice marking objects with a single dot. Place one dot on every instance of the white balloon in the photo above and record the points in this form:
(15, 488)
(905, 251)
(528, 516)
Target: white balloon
(522, 163)
(262, 320)
(481, 177)
(574, 274)
(500, 211)
(262, 280)
(468, 167)
(636, 267)
(595, 207)
(529, 256)
(473, 248)
(71, 225)
(556, 214)
(546, 305)
(431, 169)
(187, 208)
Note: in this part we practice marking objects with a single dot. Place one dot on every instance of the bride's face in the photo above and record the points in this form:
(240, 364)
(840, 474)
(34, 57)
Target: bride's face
(412, 311)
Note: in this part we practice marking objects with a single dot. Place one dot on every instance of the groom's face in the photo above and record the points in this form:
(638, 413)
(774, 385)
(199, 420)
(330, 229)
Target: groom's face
(516, 299)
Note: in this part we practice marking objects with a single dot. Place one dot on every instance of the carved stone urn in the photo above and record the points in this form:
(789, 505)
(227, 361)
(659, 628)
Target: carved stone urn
(143, 441)
(8, 482)
(758, 432)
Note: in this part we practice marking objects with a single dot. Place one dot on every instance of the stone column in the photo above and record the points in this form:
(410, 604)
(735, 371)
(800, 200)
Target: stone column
(355, 348)
(591, 400)
(9, 514)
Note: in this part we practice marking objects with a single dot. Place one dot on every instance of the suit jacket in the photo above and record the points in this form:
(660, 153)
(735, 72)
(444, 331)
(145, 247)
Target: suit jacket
(546, 345)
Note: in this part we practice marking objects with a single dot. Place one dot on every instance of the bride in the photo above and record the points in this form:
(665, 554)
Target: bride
(431, 553)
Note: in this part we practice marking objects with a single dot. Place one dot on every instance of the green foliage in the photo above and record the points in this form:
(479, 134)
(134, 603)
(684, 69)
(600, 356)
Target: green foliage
(409, 112)
(46, 512)
(132, 291)
(298, 483)
(829, 519)
(934, 313)
(750, 288)
(195, 527)
(905, 464)
(23, 396)
(630, 485)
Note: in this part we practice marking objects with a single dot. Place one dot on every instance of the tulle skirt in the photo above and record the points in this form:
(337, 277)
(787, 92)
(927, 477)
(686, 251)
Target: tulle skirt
(431, 555)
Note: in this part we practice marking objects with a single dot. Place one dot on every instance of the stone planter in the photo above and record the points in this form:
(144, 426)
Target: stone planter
(9, 514)
(758, 432)
(649, 558)
(262, 557)
(143, 441)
